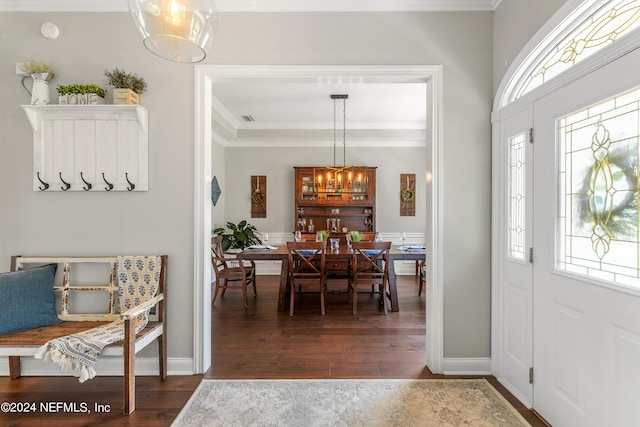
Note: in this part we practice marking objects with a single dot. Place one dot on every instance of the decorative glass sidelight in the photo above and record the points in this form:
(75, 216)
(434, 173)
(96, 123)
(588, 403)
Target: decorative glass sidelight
(516, 205)
(598, 180)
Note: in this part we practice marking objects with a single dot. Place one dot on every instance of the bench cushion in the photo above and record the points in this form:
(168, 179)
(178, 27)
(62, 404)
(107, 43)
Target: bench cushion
(27, 300)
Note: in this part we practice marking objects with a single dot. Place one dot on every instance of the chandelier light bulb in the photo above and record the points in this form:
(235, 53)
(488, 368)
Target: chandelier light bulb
(177, 30)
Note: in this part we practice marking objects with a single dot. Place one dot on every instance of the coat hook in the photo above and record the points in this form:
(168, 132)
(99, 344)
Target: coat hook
(110, 185)
(45, 185)
(66, 184)
(88, 186)
(131, 184)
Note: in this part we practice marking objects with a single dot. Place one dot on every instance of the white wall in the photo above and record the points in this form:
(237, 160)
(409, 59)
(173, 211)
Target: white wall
(161, 220)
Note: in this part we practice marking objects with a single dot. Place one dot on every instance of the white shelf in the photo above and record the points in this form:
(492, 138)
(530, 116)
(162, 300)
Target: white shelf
(92, 140)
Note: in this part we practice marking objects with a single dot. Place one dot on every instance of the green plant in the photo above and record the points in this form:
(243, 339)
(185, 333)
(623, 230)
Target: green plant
(120, 79)
(34, 67)
(324, 235)
(80, 89)
(355, 236)
(238, 236)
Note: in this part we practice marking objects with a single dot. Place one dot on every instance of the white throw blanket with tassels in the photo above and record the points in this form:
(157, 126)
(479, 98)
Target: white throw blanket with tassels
(138, 279)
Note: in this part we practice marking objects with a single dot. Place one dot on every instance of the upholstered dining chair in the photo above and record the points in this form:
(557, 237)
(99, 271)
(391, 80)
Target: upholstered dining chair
(369, 266)
(306, 268)
(231, 272)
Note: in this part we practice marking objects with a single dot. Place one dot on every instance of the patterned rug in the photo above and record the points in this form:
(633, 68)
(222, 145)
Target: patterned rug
(311, 403)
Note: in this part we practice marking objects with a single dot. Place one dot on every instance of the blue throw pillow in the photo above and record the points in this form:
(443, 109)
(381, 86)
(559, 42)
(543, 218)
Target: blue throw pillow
(27, 300)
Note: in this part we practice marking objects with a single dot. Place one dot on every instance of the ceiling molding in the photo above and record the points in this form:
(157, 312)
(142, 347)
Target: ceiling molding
(263, 5)
(372, 143)
(63, 6)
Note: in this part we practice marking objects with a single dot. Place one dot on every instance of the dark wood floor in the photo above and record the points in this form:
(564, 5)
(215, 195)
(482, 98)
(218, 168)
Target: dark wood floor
(259, 343)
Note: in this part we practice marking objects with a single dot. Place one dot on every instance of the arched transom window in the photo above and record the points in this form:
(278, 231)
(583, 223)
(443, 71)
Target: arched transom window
(603, 22)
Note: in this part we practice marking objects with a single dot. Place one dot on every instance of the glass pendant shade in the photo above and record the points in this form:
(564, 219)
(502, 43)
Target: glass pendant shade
(177, 30)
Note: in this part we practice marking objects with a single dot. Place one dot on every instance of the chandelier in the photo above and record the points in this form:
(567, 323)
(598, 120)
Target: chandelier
(332, 182)
(177, 30)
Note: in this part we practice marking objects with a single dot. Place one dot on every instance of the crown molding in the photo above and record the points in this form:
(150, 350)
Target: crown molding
(263, 5)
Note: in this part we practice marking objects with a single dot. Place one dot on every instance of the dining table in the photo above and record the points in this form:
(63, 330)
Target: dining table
(343, 253)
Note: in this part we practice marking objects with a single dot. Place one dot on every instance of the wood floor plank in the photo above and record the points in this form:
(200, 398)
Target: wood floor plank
(258, 343)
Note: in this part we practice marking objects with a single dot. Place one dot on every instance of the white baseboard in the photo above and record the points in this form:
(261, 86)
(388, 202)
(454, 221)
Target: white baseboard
(106, 366)
(467, 366)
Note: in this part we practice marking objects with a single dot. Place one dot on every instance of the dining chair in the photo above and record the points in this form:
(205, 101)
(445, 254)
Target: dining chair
(230, 272)
(364, 237)
(367, 237)
(423, 276)
(306, 268)
(369, 266)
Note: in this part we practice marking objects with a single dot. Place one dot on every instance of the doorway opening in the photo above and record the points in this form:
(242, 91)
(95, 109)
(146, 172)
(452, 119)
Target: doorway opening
(206, 76)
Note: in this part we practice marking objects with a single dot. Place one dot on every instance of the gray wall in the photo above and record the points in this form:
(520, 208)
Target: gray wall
(161, 220)
(277, 164)
(514, 23)
(219, 171)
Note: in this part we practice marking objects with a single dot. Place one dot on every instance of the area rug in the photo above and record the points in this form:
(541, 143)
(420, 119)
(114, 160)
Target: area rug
(311, 403)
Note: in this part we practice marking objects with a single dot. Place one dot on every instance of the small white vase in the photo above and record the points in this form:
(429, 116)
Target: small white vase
(40, 90)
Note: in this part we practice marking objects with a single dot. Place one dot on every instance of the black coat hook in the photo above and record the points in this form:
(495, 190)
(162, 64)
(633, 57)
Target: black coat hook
(109, 185)
(88, 186)
(44, 185)
(66, 184)
(131, 184)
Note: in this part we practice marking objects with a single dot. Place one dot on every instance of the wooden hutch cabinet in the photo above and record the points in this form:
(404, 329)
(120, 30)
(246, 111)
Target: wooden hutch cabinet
(336, 199)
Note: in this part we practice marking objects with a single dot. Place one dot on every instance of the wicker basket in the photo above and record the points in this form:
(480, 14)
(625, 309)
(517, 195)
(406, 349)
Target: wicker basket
(125, 97)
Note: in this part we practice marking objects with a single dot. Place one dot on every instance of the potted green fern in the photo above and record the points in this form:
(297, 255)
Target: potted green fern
(238, 236)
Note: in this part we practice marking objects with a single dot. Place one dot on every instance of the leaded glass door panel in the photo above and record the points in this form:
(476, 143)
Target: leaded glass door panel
(516, 292)
(586, 293)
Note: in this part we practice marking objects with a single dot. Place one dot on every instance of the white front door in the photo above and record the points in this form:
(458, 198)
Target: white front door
(516, 292)
(587, 249)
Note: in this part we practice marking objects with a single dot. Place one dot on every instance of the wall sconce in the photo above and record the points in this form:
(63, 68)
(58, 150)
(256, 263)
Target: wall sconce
(177, 30)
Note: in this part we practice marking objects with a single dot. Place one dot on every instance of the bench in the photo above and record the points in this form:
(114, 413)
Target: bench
(26, 343)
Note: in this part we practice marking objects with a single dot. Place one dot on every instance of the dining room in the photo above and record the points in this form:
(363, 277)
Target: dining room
(264, 129)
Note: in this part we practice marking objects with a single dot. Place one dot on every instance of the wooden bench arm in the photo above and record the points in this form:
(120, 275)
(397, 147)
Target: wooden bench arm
(140, 308)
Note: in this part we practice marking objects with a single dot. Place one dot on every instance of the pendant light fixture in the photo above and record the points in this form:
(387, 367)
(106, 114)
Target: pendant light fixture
(334, 182)
(177, 30)
(344, 128)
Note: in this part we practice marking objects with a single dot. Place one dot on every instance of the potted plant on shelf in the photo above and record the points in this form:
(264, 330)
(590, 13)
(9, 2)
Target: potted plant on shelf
(238, 236)
(41, 73)
(80, 94)
(127, 86)
(34, 67)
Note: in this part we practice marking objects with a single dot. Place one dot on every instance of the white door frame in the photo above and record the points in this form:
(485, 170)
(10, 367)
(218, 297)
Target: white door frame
(205, 75)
